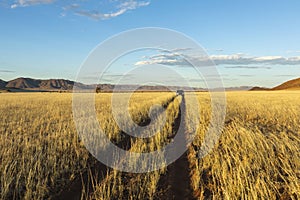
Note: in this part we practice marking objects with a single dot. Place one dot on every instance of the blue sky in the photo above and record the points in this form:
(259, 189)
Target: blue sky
(252, 42)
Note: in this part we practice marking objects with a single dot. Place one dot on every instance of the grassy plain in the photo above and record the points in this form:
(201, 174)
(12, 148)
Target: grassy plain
(40, 150)
(256, 157)
(258, 153)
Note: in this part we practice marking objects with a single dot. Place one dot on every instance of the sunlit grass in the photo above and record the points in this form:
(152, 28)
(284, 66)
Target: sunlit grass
(258, 154)
(256, 157)
(40, 150)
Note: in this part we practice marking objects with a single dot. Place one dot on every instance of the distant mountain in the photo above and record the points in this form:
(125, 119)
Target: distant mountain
(2, 84)
(105, 87)
(241, 88)
(36, 84)
(259, 89)
(59, 84)
(23, 83)
(289, 85)
(29, 84)
(110, 88)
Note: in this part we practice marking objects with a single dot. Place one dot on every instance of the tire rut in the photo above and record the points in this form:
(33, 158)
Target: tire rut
(84, 181)
(175, 184)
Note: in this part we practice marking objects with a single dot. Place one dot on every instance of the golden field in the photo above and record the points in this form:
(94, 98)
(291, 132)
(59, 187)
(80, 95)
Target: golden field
(258, 153)
(256, 157)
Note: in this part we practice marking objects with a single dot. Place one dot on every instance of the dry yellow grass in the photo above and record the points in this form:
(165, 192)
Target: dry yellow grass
(257, 156)
(40, 151)
(120, 185)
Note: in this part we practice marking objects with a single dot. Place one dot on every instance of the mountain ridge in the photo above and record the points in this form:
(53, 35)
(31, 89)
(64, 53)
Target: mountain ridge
(2, 83)
(31, 84)
(293, 84)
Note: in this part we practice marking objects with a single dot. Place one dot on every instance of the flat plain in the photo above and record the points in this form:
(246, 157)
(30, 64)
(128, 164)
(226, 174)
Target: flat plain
(256, 157)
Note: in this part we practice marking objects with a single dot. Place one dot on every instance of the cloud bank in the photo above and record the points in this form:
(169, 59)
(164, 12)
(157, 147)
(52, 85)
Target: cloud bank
(235, 60)
(24, 3)
(6, 71)
(121, 9)
(87, 7)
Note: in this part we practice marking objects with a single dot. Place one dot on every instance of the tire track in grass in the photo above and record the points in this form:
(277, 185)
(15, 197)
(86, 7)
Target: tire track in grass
(176, 183)
(83, 183)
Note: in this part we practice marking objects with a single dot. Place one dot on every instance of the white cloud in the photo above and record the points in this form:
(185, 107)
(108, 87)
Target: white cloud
(121, 9)
(162, 61)
(294, 59)
(115, 14)
(235, 60)
(177, 50)
(71, 6)
(133, 4)
(226, 57)
(268, 58)
(247, 67)
(97, 15)
(24, 3)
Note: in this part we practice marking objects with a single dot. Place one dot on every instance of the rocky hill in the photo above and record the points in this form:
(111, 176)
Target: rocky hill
(292, 84)
(29, 84)
(288, 85)
(37, 84)
(2, 84)
(259, 89)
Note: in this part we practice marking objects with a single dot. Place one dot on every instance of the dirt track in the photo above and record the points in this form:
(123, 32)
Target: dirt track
(83, 183)
(176, 182)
